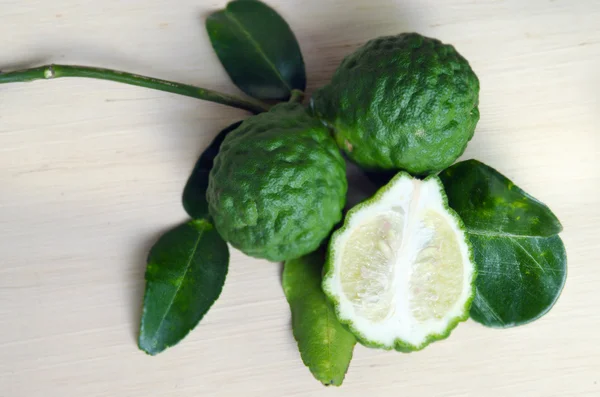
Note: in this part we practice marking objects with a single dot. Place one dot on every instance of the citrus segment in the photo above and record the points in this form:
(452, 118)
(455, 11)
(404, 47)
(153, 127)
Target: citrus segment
(399, 270)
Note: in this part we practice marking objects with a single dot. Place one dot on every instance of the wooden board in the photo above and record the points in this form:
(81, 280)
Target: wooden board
(91, 173)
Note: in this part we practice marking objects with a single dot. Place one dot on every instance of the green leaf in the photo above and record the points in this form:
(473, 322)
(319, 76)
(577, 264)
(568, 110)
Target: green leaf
(258, 49)
(521, 262)
(194, 193)
(518, 279)
(184, 277)
(486, 200)
(325, 345)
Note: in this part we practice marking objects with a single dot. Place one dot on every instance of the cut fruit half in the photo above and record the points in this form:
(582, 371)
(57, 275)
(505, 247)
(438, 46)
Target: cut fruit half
(400, 271)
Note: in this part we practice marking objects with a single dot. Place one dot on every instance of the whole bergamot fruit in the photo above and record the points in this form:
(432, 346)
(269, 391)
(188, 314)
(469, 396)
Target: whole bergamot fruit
(401, 102)
(278, 185)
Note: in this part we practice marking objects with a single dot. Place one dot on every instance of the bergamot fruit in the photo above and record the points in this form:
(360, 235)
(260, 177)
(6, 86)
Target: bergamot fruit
(401, 102)
(278, 184)
(400, 271)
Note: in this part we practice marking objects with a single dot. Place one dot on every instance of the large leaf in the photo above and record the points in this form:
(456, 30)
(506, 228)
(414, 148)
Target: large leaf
(194, 193)
(184, 277)
(258, 49)
(325, 345)
(521, 261)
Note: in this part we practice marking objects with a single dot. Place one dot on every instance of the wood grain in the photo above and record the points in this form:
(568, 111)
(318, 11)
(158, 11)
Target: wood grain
(91, 173)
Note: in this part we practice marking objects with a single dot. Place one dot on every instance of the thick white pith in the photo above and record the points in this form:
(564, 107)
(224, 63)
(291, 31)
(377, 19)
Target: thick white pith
(411, 198)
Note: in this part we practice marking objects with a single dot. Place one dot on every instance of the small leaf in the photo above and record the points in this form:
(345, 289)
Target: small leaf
(325, 345)
(521, 261)
(194, 193)
(258, 49)
(184, 277)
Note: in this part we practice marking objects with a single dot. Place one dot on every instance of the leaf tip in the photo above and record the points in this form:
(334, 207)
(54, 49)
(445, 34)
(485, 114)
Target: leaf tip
(146, 348)
(331, 382)
(146, 345)
(201, 225)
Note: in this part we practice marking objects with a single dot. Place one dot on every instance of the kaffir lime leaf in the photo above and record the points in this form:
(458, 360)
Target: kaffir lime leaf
(401, 102)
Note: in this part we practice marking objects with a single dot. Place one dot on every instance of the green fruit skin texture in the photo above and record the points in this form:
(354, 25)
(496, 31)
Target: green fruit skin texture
(278, 185)
(401, 102)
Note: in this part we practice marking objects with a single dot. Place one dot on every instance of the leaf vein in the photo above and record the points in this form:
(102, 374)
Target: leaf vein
(529, 255)
(187, 268)
(477, 232)
(329, 355)
(488, 308)
(257, 47)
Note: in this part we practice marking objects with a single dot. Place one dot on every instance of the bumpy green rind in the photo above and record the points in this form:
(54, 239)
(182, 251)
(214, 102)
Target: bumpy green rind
(522, 262)
(278, 185)
(401, 102)
(185, 275)
(399, 344)
(325, 346)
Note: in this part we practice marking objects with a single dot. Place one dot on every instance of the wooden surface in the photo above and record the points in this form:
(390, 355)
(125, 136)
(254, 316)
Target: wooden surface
(92, 172)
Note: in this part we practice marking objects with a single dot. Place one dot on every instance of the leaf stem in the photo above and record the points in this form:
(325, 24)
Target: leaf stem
(49, 72)
(297, 96)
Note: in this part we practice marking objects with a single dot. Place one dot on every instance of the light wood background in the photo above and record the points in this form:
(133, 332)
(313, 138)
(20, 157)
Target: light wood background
(91, 174)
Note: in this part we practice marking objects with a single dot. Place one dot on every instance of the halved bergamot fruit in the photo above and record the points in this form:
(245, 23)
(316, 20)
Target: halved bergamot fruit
(400, 271)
